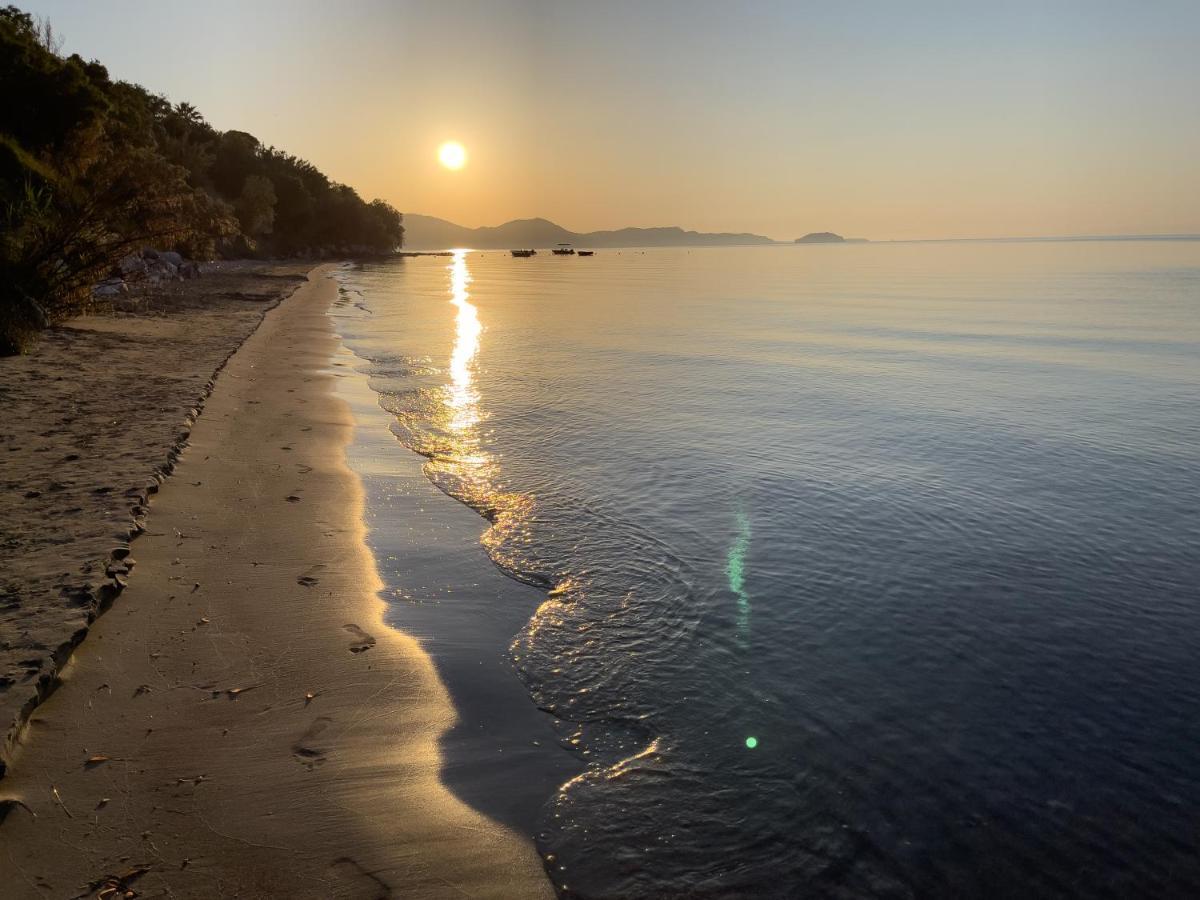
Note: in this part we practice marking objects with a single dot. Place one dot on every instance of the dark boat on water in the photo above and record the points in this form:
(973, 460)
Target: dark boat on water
(586, 252)
(563, 250)
(523, 253)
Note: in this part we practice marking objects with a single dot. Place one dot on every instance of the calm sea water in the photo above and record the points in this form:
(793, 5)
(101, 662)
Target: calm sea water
(870, 570)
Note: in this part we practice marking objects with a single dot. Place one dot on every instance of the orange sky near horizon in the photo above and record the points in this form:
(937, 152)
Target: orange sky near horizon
(928, 121)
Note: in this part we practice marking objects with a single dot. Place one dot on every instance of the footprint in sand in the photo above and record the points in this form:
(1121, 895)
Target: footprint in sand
(362, 641)
(306, 750)
(309, 578)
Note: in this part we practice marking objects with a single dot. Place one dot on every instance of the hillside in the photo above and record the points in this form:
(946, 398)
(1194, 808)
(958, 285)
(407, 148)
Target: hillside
(94, 171)
(431, 233)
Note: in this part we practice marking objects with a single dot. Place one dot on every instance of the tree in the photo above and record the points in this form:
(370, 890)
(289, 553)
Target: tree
(93, 169)
(83, 182)
(256, 206)
(236, 158)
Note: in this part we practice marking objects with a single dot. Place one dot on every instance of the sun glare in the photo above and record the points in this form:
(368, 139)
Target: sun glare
(452, 155)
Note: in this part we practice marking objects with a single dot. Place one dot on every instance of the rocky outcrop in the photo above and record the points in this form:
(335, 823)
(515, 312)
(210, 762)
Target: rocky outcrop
(150, 267)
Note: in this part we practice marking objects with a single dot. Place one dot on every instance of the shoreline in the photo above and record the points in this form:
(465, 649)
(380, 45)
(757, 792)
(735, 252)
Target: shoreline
(243, 719)
(504, 756)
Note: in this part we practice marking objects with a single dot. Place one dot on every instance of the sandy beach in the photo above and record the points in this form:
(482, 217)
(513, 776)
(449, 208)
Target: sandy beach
(94, 418)
(241, 722)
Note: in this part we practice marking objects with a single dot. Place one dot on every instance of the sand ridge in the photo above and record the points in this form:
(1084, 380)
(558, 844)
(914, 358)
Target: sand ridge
(242, 723)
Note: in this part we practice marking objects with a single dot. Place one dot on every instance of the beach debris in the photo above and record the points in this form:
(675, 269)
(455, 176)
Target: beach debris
(142, 689)
(59, 800)
(111, 886)
(309, 697)
(203, 620)
(307, 580)
(292, 498)
(103, 803)
(99, 759)
(195, 587)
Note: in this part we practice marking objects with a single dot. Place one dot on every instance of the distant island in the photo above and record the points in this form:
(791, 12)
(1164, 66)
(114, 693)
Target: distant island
(431, 233)
(821, 237)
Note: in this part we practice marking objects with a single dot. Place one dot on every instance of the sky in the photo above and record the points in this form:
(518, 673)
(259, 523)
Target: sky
(884, 120)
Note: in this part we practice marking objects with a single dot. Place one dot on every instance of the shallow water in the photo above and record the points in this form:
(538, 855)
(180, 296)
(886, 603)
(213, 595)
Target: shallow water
(872, 568)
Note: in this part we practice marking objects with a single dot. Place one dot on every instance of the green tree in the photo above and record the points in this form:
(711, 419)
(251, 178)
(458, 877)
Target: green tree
(93, 169)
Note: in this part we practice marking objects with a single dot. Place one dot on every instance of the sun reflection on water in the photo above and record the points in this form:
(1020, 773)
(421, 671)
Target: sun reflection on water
(464, 398)
(462, 465)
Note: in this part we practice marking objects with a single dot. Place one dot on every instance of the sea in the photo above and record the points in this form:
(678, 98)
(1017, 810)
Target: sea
(858, 570)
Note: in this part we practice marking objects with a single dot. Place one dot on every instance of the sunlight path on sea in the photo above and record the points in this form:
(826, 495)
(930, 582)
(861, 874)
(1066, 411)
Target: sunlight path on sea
(464, 398)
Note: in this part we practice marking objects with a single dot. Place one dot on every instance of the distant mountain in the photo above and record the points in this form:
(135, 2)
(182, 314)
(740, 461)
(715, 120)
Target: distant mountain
(430, 233)
(821, 237)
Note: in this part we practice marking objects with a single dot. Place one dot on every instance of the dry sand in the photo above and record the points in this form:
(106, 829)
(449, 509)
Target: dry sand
(241, 722)
(91, 421)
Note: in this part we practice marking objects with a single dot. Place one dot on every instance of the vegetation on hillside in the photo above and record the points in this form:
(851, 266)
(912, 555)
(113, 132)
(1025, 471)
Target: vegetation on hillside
(93, 170)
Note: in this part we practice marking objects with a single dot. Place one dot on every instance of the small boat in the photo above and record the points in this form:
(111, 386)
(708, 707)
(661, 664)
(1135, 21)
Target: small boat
(586, 252)
(523, 253)
(563, 250)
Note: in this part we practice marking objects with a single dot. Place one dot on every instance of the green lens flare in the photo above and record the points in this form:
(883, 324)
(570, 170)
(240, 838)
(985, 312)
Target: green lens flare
(751, 743)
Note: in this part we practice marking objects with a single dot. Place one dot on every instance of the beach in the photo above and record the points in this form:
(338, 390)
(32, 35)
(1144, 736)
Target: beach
(241, 721)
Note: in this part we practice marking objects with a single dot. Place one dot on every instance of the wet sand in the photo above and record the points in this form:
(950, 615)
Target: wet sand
(242, 722)
(504, 756)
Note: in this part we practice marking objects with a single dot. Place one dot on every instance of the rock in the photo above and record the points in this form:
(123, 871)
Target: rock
(149, 253)
(132, 265)
(162, 270)
(110, 288)
(189, 270)
(172, 257)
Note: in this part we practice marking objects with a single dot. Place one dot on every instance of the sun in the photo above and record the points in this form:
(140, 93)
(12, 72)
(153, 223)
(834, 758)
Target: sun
(452, 155)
